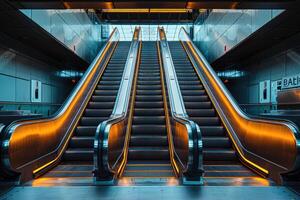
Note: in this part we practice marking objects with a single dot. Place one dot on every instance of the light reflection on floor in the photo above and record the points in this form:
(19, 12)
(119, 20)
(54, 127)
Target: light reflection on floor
(128, 181)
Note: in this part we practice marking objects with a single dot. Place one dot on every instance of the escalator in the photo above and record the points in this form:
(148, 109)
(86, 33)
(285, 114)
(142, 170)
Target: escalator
(148, 153)
(219, 157)
(77, 160)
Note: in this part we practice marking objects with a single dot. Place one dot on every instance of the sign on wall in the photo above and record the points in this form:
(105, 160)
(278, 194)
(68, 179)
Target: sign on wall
(275, 87)
(264, 91)
(36, 91)
(291, 81)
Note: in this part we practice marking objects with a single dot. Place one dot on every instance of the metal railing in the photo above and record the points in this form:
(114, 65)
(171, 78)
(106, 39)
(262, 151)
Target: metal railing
(270, 147)
(30, 147)
(112, 137)
(184, 137)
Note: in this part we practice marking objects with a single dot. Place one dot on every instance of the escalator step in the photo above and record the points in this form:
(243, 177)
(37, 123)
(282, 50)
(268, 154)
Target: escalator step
(156, 120)
(216, 142)
(206, 121)
(153, 97)
(148, 92)
(191, 87)
(78, 154)
(106, 92)
(203, 98)
(149, 112)
(219, 154)
(103, 98)
(92, 121)
(197, 105)
(191, 92)
(207, 131)
(148, 87)
(101, 105)
(201, 112)
(86, 130)
(97, 112)
(107, 87)
(148, 129)
(81, 142)
(148, 140)
(148, 153)
(157, 104)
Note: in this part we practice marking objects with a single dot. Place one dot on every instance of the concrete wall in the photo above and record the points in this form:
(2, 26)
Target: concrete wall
(266, 66)
(72, 27)
(16, 73)
(224, 29)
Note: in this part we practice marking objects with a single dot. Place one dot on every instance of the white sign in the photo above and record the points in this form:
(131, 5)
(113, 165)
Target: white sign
(291, 81)
(274, 90)
(264, 91)
(36, 91)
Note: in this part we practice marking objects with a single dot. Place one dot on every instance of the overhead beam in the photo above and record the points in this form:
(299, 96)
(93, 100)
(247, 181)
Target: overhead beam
(192, 4)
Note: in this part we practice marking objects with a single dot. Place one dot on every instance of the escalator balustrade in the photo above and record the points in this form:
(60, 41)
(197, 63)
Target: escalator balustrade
(78, 158)
(220, 158)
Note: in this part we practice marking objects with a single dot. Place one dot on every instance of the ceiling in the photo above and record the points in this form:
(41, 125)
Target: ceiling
(191, 4)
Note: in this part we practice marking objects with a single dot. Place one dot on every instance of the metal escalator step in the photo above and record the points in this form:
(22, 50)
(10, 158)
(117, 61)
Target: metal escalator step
(203, 98)
(149, 92)
(227, 170)
(155, 74)
(186, 82)
(149, 70)
(186, 74)
(146, 166)
(148, 153)
(143, 78)
(187, 78)
(85, 130)
(97, 112)
(208, 131)
(107, 87)
(101, 105)
(206, 121)
(148, 97)
(149, 112)
(92, 121)
(103, 98)
(148, 129)
(201, 112)
(148, 87)
(81, 142)
(219, 154)
(149, 82)
(112, 74)
(80, 154)
(109, 82)
(197, 105)
(216, 142)
(155, 120)
(191, 87)
(144, 104)
(106, 92)
(105, 78)
(192, 92)
(148, 140)
(149, 173)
